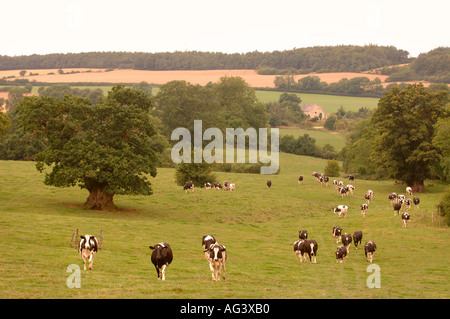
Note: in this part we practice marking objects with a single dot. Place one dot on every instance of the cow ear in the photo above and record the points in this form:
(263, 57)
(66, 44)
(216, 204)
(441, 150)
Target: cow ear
(81, 237)
(151, 247)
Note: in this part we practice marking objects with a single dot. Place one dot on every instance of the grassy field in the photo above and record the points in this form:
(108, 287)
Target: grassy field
(258, 226)
(329, 103)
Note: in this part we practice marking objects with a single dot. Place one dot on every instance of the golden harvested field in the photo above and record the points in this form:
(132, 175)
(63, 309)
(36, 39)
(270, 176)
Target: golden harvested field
(201, 77)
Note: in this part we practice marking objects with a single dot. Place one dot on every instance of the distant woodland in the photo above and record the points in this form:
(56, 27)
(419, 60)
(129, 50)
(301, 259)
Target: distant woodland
(433, 66)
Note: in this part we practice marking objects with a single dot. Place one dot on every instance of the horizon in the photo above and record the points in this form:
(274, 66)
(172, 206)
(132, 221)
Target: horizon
(52, 26)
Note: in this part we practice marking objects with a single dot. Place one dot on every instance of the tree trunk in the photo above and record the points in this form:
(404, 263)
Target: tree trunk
(100, 200)
(418, 187)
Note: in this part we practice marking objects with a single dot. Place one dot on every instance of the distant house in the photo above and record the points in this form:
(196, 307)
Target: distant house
(313, 110)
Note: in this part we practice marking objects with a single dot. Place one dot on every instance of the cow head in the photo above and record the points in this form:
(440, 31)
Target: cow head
(207, 241)
(88, 242)
(159, 250)
(216, 251)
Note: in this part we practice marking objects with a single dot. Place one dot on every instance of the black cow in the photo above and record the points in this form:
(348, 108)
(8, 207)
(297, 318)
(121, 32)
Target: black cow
(346, 241)
(416, 201)
(87, 248)
(303, 234)
(337, 233)
(351, 178)
(189, 186)
(311, 247)
(269, 184)
(162, 256)
(405, 219)
(341, 254)
(369, 249)
(357, 237)
(207, 241)
(397, 207)
(300, 179)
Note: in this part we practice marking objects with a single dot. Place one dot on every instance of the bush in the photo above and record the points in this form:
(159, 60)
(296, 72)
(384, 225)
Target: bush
(444, 206)
(332, 168)
(199, 173)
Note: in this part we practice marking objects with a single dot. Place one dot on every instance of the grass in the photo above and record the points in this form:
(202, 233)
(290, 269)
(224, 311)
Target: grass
(329, 103)
(257, 225)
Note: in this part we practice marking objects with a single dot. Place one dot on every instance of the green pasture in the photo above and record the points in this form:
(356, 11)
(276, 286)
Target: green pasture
(257, 225)
(329, 103)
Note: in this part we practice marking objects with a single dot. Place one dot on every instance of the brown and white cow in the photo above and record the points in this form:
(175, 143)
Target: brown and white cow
(341, 210)
(300, 250)
(162, 256)
(87, 248)
(357, 237)
(341, 254)
(337, 233)
(364, 208)
(346, 241)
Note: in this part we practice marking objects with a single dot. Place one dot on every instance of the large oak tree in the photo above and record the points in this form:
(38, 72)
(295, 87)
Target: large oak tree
(104, 148)
(405, 125)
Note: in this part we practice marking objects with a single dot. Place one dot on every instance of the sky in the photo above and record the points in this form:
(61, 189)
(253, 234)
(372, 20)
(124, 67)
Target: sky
(229, 26)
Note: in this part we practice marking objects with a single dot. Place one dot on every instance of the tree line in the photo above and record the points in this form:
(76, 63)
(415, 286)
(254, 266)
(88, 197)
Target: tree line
(344, 58)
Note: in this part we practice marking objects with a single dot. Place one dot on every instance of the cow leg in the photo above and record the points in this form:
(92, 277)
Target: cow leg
(163, 272)
(158, 272)
(211, 268)
(84, 260)
(91, 260)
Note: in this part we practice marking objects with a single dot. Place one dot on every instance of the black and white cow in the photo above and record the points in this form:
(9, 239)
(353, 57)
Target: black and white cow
(335, 184)
(350, 188)
(217, 258)
(369, 196)
(207, 241)
(341, 254)
(226, 186)
(208, 185)
(346, 241)
(397, 208)
(303, 234)
(217, 186)
(369, 249)
(162, 256)
(408, 203)
(311, 247)
(342, 191)
(351, 177)
(341, 210)
(392, 197)
(326, 179)
(416, 201)
(364, 208)
(337, 233)
(87, 248)
(357, 237)
(269, 184)
(232, 187)
(405, 219)
(300, 179)
(188, 186)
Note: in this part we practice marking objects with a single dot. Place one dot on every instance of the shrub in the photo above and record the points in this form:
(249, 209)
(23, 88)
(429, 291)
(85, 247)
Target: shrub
(332, 168)
(199, 173)
(444, 206)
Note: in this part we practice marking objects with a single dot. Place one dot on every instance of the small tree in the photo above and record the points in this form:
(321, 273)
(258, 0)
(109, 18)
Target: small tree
(332, 168)
(199, 173)
(23, 72)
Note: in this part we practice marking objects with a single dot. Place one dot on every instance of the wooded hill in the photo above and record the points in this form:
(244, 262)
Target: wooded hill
(304, 60)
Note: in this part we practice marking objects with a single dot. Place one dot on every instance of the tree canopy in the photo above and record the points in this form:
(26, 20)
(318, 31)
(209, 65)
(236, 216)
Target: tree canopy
(405, 125)
(103, 148)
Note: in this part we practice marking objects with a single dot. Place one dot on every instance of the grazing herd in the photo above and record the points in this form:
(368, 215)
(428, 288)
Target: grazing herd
(216, 254)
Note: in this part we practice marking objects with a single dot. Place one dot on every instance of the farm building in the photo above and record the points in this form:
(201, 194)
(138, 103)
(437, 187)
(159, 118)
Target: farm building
(313, 110)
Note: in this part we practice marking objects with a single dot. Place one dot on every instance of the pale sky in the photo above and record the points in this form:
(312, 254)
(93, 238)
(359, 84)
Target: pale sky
(229, 26)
